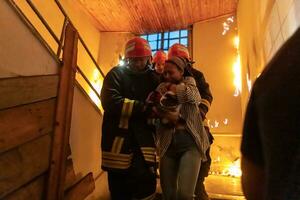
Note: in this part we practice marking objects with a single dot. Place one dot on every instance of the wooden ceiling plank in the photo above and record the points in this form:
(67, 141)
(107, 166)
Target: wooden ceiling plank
(145, 16)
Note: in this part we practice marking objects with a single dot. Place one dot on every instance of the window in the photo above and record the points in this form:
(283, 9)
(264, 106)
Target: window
(164, 40)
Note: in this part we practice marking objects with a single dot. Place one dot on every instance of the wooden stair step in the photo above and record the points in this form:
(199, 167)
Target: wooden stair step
(81, 189)
(70, 178)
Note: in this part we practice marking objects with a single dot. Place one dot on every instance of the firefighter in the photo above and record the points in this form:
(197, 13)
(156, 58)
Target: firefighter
(159, 60)
(128, 148)
(181, 51)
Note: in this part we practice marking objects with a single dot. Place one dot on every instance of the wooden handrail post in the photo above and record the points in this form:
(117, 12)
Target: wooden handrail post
(55, 187)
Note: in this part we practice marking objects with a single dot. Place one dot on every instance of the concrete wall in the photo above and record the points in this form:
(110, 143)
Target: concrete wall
(82, 22)
(263, 27)
(55, 18)
(85, 141)
(214, 55)
(21, 53)
(112, 45)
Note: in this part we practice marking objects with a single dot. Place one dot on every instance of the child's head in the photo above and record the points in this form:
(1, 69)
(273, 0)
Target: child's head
(174, 69)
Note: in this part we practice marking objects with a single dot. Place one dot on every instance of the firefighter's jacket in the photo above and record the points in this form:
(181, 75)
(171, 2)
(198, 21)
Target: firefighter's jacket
(203, 87)
(124, 130)
(206, 97)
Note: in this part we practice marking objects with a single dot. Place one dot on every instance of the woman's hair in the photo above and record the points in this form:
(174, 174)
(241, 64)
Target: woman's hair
(187, 72)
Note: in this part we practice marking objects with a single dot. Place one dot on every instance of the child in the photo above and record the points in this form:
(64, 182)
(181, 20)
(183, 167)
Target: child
(181, 138)
(165, 101)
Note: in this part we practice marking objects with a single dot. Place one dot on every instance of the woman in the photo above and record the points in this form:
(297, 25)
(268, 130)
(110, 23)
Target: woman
(181, 139)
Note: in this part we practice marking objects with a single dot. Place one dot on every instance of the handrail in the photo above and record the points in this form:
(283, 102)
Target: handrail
(80, 38)
(58, 41)
(62, 36)
(33, 29)
(88, 82)
(35, 10)
(90, 54)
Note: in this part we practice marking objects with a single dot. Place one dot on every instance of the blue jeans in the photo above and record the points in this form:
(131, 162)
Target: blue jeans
(179, 167)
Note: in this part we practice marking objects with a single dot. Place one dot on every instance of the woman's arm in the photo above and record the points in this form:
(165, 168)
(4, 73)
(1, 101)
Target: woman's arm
(187, 92)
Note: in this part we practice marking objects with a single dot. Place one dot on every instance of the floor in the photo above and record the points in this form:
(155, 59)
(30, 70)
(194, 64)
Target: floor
(220, 188)
(224, 187)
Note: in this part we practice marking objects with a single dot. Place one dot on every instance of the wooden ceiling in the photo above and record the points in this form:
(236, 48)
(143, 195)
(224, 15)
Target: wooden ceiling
(148, 16)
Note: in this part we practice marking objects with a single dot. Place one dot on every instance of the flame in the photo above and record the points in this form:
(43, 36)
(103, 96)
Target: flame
(226, 25)
(225, 121)
(236, 42)
(236, 68)
(216, 124)
(235, 169)
(249, 83)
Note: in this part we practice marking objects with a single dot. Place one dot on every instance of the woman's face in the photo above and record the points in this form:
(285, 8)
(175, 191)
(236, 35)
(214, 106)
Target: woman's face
(172, 73)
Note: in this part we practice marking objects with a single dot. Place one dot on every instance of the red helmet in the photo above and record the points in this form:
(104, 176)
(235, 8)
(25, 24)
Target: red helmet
(137, 47)
(179, 50)
(160, 57)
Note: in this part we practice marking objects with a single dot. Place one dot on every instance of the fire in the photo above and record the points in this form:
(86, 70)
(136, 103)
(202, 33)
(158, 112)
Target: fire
(249, 83)
(237, 76)
(236, 68)
(236, 42)
(235, 169)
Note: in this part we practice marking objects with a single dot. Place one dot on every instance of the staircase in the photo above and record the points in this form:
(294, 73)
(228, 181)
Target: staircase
(35, 120)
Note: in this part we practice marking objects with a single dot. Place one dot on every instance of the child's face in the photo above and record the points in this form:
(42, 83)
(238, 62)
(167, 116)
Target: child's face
(172, 73)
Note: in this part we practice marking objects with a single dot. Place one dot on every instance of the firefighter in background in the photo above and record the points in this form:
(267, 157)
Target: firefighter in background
(128, 148)
(159, 60)
(181, 51)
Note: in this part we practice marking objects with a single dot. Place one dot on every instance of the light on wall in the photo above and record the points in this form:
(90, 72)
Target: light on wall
(97, 82)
